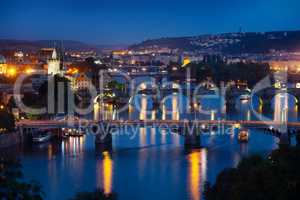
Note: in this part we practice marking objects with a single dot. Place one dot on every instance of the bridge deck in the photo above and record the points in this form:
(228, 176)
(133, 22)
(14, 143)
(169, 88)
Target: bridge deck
(75, 123)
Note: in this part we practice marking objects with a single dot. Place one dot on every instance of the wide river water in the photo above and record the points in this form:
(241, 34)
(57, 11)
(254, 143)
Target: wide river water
(152, 165)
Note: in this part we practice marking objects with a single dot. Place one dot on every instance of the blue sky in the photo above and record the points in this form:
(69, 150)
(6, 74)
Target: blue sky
(120, 21)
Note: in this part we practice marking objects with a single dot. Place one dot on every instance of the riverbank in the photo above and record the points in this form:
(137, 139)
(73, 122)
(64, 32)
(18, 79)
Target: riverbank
(9, 140)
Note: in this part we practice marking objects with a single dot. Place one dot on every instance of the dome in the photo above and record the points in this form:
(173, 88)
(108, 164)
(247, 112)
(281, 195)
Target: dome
(2, 60)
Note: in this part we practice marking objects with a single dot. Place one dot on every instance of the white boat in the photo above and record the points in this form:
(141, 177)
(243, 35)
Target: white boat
(243, 135)
(73, 132)
(60, 116)
(42, 136)
(245, 97)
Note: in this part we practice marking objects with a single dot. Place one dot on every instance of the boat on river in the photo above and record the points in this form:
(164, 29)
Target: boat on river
(245, 97)
(243, 135)
(72, 132)
(42, 136)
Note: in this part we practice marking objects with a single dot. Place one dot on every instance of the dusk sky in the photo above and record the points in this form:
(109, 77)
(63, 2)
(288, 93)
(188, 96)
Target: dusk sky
(125, 22)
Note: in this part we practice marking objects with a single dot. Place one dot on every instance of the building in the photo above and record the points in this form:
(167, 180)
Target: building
(19, 56)
(166, 58)
(3, 66)
(54, 64)
(82, 82)
(45, 54)
(187, 59)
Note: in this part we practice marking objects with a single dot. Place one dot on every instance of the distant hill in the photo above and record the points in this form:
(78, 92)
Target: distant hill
(9, 44)
(229, 43)
(113, 46)
(34, 45)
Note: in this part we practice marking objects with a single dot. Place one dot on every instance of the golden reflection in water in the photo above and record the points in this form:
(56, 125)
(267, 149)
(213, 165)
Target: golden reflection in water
(103, 111)
(50, 152)
(96, 111)
(108, 111)
(143, 136)
(197, 173)
(175, 109)
(130, 111)
(143, 111)
(107, 171)
(164, 112)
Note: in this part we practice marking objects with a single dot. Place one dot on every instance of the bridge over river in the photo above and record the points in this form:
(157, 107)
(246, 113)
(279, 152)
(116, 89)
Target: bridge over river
(180, 123)
(190, 129)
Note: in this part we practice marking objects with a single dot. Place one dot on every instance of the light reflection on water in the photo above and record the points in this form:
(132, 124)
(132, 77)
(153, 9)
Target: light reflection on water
(150, 164)
(196, 173)
(153, 165)
(107, 172)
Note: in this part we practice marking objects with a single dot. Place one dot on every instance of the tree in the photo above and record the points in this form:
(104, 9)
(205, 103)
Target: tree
(114, 85)
(11, 184)
(96, 195)
(7, 121)
(11, 104)
(255, 178)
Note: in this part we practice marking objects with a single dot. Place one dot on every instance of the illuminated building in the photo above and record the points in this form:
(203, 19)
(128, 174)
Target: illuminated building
(11, 71)
(19, 55)
(82, 82)
(186, 61)
(81, 55)
(72, 71)
(291, 66)
(120, 52)
(3, 66)
(54, 64)
(166, 58)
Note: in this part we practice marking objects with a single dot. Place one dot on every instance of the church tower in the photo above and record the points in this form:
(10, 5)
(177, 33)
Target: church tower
(54, 64)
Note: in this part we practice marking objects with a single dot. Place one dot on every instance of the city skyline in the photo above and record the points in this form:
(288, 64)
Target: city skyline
(117, 100)
(98, 22)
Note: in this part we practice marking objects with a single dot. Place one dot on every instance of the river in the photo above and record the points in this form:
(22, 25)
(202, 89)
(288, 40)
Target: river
(152, 165)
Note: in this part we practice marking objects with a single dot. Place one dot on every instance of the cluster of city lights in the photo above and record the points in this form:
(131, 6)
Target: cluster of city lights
(12, 70)
(72, 71)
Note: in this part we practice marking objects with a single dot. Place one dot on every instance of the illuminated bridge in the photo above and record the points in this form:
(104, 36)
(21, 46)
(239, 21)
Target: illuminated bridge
(82, 122)
(190, 129)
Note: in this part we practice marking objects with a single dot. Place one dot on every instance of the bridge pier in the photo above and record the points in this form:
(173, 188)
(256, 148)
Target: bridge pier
(103, 140)
(25, 134)
(192, 138)
(21, 133)
(284, 140)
